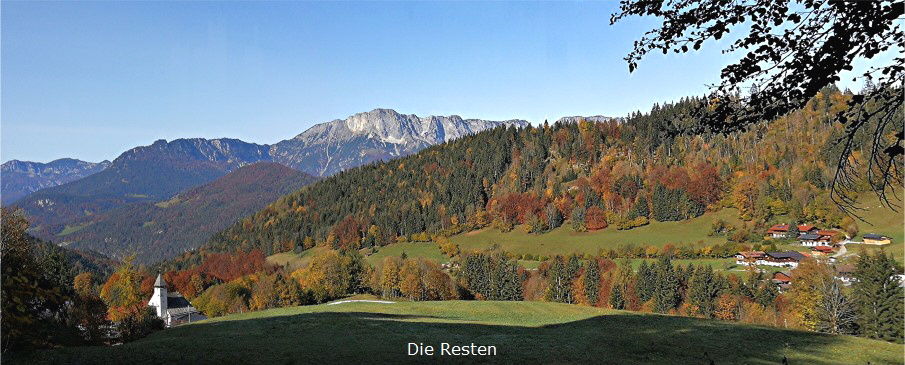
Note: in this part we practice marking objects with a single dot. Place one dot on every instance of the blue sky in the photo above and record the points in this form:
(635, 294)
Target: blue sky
(89, 80)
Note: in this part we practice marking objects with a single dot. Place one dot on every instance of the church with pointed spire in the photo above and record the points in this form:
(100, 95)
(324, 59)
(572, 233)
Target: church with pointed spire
(172, 307)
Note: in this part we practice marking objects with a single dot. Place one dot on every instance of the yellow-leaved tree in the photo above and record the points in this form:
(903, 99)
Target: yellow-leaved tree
(410, 280)
(127, 306)
(806, 293)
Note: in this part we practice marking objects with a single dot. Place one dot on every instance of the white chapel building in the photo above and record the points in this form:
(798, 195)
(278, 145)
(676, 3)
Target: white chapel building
(173, 308)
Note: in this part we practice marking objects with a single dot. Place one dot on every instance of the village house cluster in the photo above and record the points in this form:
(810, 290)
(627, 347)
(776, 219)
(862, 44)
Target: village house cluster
(811, 236)
(821, 243)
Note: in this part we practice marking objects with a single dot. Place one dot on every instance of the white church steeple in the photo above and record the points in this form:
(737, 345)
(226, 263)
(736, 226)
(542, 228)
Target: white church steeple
(159, 299)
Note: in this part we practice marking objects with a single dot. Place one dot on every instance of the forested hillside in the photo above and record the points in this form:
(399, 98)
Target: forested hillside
(589, 175)
(158, 231)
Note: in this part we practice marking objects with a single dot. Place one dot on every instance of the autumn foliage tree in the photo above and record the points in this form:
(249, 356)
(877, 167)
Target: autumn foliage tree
(595, 218)
(88, 310)
(810, 278)
(127, 306)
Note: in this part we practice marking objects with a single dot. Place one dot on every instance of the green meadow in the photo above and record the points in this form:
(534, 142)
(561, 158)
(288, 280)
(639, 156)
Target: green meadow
(564, 240)
(880, 219)
(426, 250)
(521, 332)
(295, 261)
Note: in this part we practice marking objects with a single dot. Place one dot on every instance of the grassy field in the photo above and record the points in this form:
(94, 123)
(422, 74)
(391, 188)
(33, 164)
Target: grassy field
(295, 260)
(564, 240)
(426, 250)
(882, 220)
(522, 332)
(72, 229)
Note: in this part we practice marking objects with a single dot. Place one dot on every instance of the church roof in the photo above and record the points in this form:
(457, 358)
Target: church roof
(180, 311)
(176, 300)
(159, 283)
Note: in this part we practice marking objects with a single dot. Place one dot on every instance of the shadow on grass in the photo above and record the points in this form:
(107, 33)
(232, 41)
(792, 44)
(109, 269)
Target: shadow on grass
(366, 337)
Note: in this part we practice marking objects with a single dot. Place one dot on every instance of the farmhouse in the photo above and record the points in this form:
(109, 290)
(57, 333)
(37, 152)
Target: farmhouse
(821, 250)
(173, 308)
(845, 273)
(748, 258)
(806, 228)
(778, 231)
(782, 280)
(876, 239)
(780, 277)
(813, 240)
(782, 259)
(782, 230)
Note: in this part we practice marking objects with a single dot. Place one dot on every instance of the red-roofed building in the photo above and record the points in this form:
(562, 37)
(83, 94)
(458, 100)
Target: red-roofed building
(778, 231)
(781, 278)
(806, 228)
(822, 250)
(749, 257)
(827, 232)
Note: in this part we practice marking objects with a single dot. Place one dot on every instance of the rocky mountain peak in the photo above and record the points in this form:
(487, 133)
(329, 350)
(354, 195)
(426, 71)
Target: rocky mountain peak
(379, 134)
(592, 118)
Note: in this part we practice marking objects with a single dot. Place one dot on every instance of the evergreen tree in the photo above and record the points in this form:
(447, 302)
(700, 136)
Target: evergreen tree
(662, 202)
(645, 285)
(554, 217)
(766, 294)
(592, 282)
(667, 285)
(621, 285)
(491, 276)
(878, 298)
(641, 209)
(702, 291)
(572, 268)
(561, 274)
(556, 277)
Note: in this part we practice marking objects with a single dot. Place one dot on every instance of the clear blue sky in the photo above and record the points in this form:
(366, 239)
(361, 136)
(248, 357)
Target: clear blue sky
(89, 80)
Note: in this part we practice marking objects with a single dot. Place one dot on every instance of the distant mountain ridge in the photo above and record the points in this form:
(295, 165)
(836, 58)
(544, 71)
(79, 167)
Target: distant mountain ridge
(592, 118)
(142, 174)
(20, 178)
(158, 172)
(380, 134)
